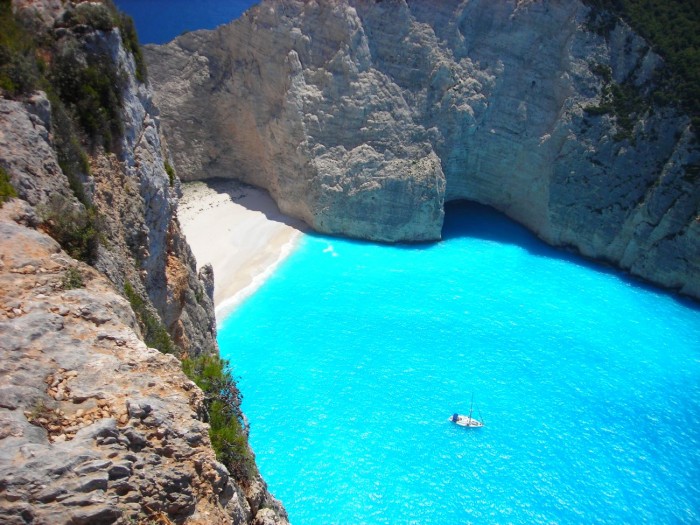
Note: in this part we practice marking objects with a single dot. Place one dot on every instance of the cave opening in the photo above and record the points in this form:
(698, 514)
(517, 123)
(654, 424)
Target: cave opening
(466, 218)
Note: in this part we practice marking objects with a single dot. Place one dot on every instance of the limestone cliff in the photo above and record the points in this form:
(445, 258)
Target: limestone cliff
(363, 117)
(96, 426)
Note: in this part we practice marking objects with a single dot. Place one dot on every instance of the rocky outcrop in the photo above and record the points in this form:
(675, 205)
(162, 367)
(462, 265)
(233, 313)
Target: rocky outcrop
(96, 426)
(363, 117)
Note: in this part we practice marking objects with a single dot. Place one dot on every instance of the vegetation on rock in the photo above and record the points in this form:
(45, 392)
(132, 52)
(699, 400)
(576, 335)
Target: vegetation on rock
(91, 86)
(154, 333)
(672, 27)
(91, 14)
(131, 41)
(171, 177)
(19, 72)
(222, 397)
(223, 400)
(85, 88)
(74, 226)
(72, 279)
(7, 191)
(86, 82)
(623, 101)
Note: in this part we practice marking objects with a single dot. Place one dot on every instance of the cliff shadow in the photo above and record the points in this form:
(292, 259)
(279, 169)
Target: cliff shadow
(254, 199)
(468, 219)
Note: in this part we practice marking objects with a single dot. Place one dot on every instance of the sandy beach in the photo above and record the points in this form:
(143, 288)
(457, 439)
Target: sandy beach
(240, 231)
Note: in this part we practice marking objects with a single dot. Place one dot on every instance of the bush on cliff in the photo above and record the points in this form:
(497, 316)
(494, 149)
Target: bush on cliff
(621, 100)
(74, 226)
(171, 177)
(86, 81)
(19, 71)
(672, 27)
(91, 86)
(131, 41)
(223, 401)
(7, 191)
(104, 16)
(91, 14)
(154, 333)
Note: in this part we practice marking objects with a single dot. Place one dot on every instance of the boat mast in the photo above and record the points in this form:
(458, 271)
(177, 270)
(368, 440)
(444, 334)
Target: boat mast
(471, 406)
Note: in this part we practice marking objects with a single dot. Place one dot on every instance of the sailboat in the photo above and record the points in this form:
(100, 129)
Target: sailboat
(467, 421)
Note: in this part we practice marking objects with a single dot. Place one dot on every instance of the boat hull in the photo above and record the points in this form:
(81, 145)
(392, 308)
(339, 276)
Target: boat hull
(467, 422)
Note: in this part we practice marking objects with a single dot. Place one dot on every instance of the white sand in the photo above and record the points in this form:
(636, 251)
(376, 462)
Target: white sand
(240, 231)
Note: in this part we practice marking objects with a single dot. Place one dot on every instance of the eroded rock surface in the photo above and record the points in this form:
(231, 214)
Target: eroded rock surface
(95, 425)
(362, 118)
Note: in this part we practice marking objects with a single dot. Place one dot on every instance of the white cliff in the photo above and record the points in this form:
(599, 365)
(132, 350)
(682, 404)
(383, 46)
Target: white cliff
(363, 117)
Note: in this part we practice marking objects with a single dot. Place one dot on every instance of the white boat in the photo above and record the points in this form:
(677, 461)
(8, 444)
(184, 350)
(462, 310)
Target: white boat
(467, 421)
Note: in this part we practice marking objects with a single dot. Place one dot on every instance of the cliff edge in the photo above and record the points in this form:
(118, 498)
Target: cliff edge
(99, 423)
(364, 117)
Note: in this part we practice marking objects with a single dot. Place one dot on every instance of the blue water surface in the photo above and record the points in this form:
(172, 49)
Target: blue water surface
(159, 21)
(353, 355)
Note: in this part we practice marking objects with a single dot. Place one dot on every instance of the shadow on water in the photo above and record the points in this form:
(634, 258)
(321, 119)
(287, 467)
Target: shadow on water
(463, 219)
(467, 219)
(477, 221)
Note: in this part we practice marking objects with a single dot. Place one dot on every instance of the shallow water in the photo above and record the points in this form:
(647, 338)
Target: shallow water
(353, 355)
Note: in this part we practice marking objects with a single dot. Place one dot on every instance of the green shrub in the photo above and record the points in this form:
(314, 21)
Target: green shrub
(623, 101)
(154, 333)
(71, 156)
(672, 27)
(72, 279)
(131, 41)
(223, 400)
(603, 71)
(75, 227)
(600, 22)
(603, 109)
(7, 191)
(127, 30)
(92, 91)
(19, 72)
(95, 15)
(171, 173)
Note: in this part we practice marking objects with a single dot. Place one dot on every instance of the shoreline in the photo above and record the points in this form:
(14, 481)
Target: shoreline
(227, 305)
(239, 230)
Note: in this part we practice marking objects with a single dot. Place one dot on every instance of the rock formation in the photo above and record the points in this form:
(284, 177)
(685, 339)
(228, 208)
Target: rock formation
(363, 117)
(96, 426)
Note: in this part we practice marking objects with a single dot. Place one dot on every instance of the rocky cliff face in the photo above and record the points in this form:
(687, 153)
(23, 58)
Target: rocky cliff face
(363, 117)
(95, 426)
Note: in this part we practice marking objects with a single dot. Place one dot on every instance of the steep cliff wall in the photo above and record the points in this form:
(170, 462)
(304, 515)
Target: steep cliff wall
(363, 117)
(96, 426)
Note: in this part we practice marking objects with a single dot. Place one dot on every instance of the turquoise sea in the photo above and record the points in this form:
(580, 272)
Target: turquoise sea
(352, 357)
